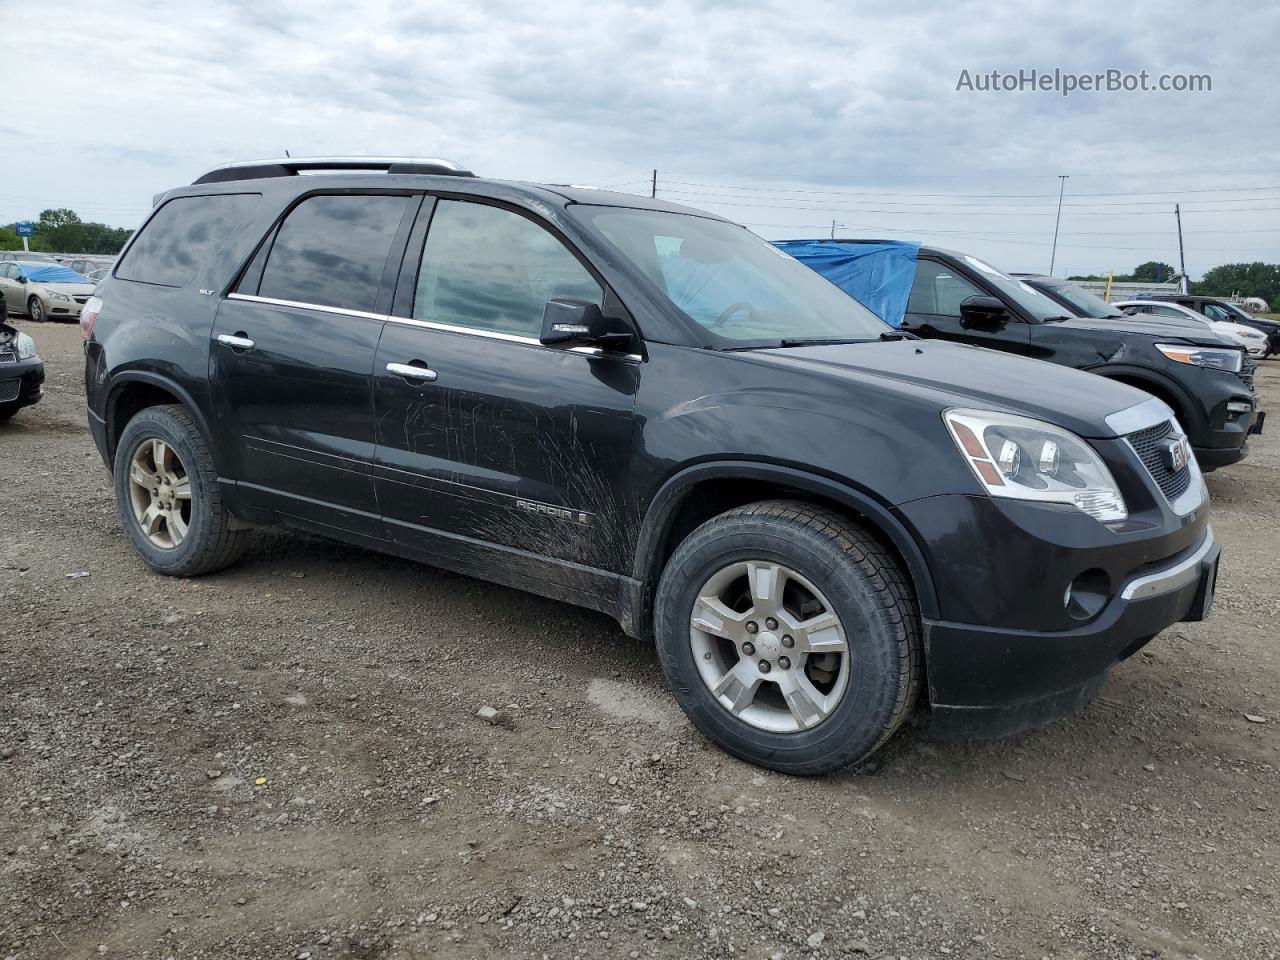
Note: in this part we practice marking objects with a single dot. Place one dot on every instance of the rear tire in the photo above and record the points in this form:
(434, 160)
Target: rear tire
(836, 568)
(170, 503)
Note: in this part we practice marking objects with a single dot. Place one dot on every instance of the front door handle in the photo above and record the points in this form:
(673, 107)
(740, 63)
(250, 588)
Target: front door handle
(237, 341)
(412, 371)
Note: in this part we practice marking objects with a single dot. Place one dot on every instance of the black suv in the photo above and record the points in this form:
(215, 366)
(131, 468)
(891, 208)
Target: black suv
(21, 369)
(1207, 381)
(646, 410)
(1217, 309)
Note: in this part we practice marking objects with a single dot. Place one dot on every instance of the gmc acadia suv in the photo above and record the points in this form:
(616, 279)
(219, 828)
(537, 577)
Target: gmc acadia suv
(645, 410)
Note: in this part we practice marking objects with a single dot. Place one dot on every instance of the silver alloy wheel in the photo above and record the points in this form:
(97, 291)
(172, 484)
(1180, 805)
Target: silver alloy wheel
(35, 309)
(769, 646)
(160, 492)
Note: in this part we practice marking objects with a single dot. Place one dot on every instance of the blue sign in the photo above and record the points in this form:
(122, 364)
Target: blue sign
(26, 229)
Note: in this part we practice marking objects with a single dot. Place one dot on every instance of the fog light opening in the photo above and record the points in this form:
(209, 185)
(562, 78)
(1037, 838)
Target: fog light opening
(1087, 594)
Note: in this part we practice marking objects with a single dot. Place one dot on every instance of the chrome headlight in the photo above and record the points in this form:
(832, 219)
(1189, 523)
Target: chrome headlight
(26, 347)
(1024, 459)
(1218, 358)
(54, 295)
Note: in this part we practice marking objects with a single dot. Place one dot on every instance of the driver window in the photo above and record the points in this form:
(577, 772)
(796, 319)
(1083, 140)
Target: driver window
(938, 290)
(490, 269)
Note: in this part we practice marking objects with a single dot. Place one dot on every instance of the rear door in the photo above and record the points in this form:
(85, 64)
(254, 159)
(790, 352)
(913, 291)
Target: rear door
(933, 310)
(504, 457)
(291, 360)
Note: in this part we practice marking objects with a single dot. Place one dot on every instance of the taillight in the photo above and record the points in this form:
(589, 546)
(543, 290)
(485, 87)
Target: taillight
(89, 316)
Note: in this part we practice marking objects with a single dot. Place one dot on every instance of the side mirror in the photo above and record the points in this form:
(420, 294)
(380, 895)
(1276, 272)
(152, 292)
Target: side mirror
(22, 279)
(566, 321)
(985, 313)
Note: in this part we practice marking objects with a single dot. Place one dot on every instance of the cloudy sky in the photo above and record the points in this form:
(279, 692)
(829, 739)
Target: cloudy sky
(782, 115)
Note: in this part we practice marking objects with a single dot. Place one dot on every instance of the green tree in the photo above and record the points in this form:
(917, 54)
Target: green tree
(1247, 279)
(9, 239)
(60, 229)
(1152, 270)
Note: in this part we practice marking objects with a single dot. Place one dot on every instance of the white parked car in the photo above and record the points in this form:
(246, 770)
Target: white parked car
(1254, 341)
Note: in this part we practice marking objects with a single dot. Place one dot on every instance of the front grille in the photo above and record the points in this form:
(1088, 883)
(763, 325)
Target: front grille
(1246, 372)
(8, 357)
(9, 390)
(1149, 445)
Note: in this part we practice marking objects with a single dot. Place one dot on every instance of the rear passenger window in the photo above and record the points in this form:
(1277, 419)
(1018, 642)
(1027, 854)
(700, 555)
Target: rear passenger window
(331, 251)
(491, 269)
(182, 237)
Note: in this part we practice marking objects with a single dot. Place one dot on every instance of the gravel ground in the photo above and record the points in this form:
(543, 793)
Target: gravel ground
(284, 760)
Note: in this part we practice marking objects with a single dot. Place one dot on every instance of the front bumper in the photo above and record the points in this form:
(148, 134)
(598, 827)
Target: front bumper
(61, 309)
(988, 682)
(21, 383)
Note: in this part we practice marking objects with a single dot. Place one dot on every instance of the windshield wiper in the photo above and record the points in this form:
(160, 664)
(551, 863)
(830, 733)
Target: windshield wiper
(820, 341)
(1056, 319)
(899, 335)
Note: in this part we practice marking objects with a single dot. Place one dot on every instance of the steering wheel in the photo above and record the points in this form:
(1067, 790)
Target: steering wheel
(730, 310)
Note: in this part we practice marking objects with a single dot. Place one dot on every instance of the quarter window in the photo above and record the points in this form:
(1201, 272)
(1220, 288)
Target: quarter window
(182, 237)
(938, 290)
(331, 251)
(490, 269)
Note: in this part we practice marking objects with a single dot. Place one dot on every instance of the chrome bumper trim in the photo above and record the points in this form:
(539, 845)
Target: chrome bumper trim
(1172, 578)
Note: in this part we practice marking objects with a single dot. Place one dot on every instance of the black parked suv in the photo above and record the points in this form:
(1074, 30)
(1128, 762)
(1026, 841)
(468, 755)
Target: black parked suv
(646, 410)
(1207, 381)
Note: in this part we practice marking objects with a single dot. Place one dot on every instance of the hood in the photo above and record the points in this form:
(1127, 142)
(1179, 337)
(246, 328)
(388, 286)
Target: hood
(955, 375)
(1238, 330)
(70, 289)
(1157, 328)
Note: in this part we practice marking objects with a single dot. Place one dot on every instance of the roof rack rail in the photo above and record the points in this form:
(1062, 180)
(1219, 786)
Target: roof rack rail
(293, 166)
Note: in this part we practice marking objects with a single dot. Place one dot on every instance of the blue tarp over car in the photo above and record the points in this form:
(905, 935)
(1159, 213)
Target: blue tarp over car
(53, 274)
(877, 275)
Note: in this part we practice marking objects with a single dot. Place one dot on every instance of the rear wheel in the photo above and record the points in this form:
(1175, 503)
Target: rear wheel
(168, 497)
(790, 636)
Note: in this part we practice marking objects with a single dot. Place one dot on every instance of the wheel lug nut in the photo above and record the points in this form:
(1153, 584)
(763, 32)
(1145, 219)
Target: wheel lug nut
(788, 641)
(771, 623)
(749, 648)
(752, 626)
(764, 666)
(784, 663)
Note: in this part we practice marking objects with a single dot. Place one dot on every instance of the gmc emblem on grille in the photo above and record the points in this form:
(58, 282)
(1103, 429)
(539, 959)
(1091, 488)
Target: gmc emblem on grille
(1175, 452)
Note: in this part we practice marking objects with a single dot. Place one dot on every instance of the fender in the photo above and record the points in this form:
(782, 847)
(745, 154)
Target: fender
(118, 381)
(666, 502)
(1189, 406)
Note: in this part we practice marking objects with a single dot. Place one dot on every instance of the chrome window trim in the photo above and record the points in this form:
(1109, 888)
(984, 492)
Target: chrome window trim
(1171, 578)
(432, 325)
(1149, 413)
(272, 301)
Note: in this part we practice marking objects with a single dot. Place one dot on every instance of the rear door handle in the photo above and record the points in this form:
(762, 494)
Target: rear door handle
(236, 341)
(411, 371)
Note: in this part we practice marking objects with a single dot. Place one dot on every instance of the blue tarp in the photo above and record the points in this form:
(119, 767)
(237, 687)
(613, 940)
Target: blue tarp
(877, 275)
(53, 274)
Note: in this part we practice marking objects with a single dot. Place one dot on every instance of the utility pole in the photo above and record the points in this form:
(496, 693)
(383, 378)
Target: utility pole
(833, 229)
(1182, 257)
(653, 188)
(1062, 184)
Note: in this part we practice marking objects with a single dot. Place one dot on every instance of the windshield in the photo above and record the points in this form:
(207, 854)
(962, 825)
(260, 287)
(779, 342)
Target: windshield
(740, 289)
(1023, 294)
(1086, 303)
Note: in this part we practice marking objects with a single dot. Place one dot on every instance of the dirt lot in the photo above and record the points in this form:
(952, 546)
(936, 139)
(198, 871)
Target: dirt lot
(283, 760)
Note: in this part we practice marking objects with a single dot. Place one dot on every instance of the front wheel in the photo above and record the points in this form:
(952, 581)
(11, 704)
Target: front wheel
(168, 497)
(790, 636)
(35, 309)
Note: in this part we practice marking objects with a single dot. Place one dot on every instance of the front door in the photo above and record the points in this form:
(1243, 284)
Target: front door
(501, 457)
(933, 310)
(291, 360)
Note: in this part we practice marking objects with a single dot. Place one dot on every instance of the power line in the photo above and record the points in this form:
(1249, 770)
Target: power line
(970, 196)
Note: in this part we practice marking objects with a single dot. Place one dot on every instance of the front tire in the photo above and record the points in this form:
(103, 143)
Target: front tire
(35, 309)
(168, 497)
(790, 636)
